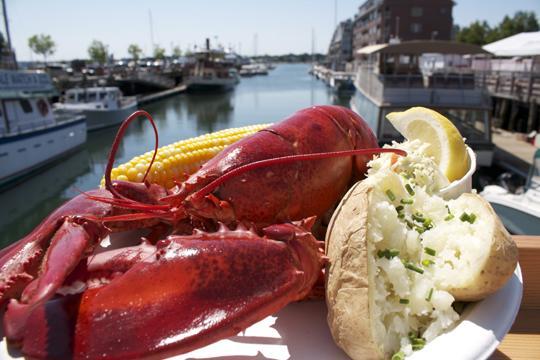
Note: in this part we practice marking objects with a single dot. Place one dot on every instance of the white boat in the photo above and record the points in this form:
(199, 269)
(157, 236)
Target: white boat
(31, 134)
(520, 213)
(392, 77)
(249, 70)
(212, 71)
(102, 106)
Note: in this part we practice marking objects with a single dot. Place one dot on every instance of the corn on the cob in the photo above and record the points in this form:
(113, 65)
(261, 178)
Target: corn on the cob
(178, 160)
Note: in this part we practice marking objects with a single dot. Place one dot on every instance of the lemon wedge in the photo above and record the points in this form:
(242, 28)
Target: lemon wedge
(446, 143)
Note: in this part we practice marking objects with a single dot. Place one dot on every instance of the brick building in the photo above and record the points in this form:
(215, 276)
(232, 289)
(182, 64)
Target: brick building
(341, 46)
(379, 21)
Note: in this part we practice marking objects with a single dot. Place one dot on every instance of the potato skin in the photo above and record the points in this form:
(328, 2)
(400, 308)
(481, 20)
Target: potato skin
(347, 278)
(499, 265)
(347, 287)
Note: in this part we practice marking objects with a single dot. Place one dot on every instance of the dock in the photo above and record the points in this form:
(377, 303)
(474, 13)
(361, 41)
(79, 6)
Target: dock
(147, 99)
(513, 153)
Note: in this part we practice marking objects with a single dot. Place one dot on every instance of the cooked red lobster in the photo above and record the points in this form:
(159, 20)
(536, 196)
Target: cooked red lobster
(219, 252)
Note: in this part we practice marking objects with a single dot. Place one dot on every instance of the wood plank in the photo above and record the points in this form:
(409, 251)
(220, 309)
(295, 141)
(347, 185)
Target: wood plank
(529, 260)
(523, 340)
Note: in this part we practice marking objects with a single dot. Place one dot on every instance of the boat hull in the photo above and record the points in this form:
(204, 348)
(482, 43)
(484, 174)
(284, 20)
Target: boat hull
(24, 153)
(100, 119)
(219, 84)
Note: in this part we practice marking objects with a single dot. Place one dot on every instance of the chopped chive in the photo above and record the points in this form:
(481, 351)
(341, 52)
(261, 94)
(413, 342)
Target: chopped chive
(419, 229)
(401, 216)
(448, 209)
(413, 267)
(409, 189)
(470, 218)
(418, 217)
(428, 298)
(393, 253)
(403, 301)
(417, 347)
(390, 195)
(430, 251)
(406, 201)
(428, 224)
(449, 217)
(399, 208)
(398, 356)
(388, 253)
(410, 225)
(427, 262)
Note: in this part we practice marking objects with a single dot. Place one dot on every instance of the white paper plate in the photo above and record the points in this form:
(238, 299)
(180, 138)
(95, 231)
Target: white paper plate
(299, 331)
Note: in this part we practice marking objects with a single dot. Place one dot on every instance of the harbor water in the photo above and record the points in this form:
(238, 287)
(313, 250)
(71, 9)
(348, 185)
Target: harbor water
(256, 100)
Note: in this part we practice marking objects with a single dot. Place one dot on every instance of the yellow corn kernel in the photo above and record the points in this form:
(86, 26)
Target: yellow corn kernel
(176, 161)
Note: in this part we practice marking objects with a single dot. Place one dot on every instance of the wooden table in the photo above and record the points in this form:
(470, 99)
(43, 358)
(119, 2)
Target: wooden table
(523, 341)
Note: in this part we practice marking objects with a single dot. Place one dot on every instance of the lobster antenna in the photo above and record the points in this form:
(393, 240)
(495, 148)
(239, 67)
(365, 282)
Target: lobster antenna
(116, 144)
(289, 159)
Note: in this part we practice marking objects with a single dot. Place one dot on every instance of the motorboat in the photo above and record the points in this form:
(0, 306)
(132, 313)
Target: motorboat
(395, 76)
(102, 106)
(520, 213)
(31, 133)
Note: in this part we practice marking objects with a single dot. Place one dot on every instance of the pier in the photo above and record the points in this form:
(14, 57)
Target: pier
(146, 99)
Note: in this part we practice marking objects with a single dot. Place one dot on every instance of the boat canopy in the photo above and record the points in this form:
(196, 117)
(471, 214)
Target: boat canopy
(19, 84)
(522, 44)
(418, 47)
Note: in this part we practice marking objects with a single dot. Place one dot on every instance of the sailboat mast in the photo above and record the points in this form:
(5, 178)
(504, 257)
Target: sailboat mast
(8, 35)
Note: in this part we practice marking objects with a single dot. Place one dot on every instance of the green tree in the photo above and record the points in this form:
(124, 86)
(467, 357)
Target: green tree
(176, 51)
(476, 33)
(480, 33)
(135, 51)
(98, 52)
(159, 52)
(42, 45)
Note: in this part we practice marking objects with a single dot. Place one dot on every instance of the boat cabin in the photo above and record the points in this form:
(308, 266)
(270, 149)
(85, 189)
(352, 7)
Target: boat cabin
(433, 74)
(99, 97)
(24, 104)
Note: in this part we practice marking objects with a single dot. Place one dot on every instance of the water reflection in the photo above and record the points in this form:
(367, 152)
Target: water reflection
(212, 111)
(42, 193)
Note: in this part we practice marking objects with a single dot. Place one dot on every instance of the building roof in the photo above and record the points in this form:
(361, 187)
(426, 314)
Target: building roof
(417, 47)
(522, 44)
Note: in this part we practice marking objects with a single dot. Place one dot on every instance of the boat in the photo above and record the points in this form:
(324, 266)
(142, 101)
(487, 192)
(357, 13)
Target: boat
(395, 76)
(102, 106)
(341, 82)
(31, 133)
(212, 70)
(520, 213)
(249, 70)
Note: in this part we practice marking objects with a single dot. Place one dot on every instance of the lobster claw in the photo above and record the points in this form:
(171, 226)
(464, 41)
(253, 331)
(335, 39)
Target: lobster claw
(194, 290)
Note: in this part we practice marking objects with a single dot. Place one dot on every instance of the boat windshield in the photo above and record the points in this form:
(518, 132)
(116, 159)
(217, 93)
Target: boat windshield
(533, 180)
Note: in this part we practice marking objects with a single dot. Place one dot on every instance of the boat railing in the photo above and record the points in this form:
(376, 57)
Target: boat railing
(436, 89)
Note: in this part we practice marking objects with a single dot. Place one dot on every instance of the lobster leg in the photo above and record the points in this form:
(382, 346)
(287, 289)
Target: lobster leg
(194, 290)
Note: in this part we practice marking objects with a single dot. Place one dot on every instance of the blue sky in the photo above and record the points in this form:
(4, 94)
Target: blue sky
(281, 26)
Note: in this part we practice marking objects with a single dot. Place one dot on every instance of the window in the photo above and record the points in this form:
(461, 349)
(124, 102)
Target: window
(26, 106)
(416, 28)
(417, 11)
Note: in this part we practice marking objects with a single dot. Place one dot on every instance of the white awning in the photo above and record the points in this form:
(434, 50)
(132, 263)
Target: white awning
(522, 44)
(370, 49)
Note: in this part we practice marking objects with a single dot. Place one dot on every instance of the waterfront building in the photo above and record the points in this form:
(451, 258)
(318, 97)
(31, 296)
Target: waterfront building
(382, 21)
(340, 51)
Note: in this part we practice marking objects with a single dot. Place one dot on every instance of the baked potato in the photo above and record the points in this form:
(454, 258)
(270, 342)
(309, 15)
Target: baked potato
(398, 259)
